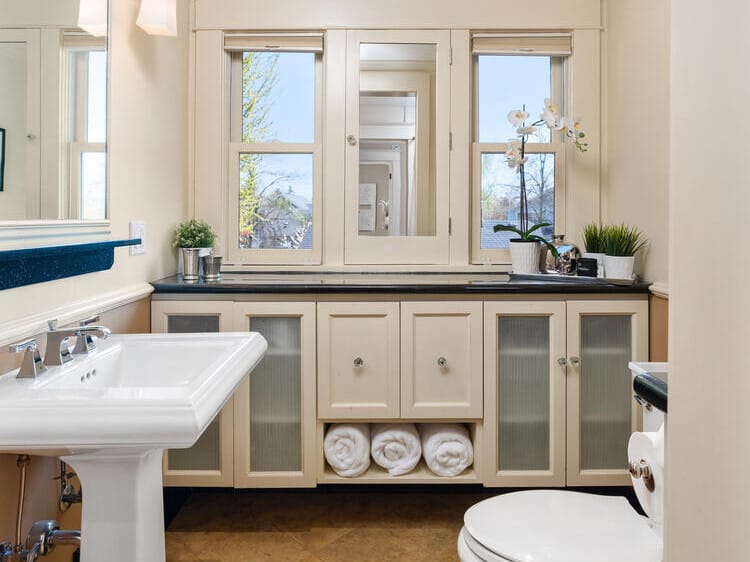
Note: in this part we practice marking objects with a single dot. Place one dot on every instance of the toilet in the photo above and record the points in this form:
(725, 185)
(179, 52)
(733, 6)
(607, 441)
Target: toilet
(566, 526)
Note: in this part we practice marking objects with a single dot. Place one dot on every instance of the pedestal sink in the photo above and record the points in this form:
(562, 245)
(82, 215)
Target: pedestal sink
(110, 415)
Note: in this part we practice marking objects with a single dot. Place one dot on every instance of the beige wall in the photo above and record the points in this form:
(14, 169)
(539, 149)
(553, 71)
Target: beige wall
(708, 434)
(635, 87)
(42, 490)
(434, 14)
(148, 163)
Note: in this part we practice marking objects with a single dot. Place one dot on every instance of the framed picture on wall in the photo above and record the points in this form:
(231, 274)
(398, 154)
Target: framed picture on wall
(2, 158)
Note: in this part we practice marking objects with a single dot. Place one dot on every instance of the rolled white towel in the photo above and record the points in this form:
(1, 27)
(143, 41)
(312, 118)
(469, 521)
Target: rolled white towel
(446, 448)
(396, 447)
(347, 448)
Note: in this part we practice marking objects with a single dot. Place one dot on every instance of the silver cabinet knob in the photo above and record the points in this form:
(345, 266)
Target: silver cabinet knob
(562, 361)
(351, 140)
(575, 361)
(442, 361)
(358, 363)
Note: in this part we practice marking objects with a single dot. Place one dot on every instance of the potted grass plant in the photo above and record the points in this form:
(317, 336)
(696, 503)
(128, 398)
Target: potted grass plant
(524, 250)
(621, 243)
(593, 242)
(194, 238)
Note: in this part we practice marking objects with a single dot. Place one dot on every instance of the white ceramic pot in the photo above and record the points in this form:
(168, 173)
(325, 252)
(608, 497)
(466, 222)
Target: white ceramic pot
(525, 256)
(619, 267)
(601, 270)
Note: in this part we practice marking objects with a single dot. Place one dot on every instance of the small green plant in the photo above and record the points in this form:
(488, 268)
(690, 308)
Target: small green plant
(528, 235)
(593, 238)
(194, 234)
(622, 240)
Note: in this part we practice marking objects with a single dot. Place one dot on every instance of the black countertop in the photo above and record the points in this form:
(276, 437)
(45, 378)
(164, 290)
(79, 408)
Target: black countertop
(446, 283)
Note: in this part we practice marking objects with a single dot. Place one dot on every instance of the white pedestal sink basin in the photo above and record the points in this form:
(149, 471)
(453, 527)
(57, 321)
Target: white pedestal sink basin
(110, 416)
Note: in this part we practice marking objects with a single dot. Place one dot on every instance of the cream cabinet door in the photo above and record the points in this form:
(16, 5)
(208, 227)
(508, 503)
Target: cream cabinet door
(274, 408)
(210, 462)
(358, 360)
(603, 336)
(524, 394)
(441, 360)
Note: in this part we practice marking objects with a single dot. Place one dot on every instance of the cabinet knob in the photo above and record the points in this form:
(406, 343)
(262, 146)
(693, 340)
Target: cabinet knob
(358, 363)
(575, 361)
(562, 361)
(352, 140)
(442, 361)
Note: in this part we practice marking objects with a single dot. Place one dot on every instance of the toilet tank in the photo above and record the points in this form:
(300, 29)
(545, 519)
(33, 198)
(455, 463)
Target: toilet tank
(652, 418)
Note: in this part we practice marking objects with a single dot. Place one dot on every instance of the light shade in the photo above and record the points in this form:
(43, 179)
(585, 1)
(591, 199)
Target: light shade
(92, 17)
(158, 17)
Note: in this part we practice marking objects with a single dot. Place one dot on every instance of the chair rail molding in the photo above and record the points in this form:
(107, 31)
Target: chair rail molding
(659, 289)
(36, 324)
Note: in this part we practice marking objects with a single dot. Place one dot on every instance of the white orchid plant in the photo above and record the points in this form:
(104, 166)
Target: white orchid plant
(515, 156)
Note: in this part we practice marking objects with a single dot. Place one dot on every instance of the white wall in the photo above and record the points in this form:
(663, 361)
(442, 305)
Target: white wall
(635, 86)
(708, 447)
(148, 163)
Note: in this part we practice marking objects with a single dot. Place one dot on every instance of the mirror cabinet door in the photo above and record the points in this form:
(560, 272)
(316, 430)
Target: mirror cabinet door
(397, 147)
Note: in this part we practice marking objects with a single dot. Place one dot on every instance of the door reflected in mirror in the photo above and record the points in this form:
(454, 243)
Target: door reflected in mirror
(396, 139)
(53, 107)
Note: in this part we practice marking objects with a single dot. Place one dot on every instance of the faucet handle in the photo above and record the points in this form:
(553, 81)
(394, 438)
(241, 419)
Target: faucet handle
(90, 320)
(32, 364)
(85, 336)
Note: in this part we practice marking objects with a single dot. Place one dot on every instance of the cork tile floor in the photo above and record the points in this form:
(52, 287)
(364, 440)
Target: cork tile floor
(318, 526)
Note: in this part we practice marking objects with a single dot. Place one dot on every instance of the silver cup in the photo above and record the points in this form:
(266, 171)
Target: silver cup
(211, 267)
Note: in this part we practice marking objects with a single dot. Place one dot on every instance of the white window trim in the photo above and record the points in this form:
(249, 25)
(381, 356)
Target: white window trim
(254, 256)
(496, 256)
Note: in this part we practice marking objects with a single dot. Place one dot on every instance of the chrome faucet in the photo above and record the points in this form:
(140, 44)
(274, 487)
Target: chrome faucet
(32, 364)
(58, 350)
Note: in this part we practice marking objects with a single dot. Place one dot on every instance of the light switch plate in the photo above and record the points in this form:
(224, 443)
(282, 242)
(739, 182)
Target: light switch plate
(138, 230)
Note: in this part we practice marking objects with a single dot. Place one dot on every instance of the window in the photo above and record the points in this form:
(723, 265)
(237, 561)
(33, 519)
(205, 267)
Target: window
(85, 124)
(275, 148)
(513, 72)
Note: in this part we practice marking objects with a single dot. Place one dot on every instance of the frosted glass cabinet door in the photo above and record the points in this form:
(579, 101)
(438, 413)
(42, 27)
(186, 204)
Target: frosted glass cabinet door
(209, 462)
(603, 336)
(524, 393)
(274, 415)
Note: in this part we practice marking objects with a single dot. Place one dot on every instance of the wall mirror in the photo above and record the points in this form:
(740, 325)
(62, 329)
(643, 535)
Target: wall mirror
(397, 160)
(53, 111)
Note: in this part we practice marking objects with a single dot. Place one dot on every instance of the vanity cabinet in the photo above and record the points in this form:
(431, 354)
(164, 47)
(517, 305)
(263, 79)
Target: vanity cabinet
(264, 436)
(413, 360)
(358, 360)
(210, 461)
(558, 405)
(274, 408)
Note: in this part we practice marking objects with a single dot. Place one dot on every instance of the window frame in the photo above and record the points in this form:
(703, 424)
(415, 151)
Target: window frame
(558, 69)
(236, 148)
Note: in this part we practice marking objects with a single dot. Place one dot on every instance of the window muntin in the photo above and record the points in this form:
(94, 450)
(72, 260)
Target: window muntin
(504, 82)
(274, 153)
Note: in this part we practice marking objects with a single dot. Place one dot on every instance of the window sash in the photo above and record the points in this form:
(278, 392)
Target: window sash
(555, 146)
(235, 148)
(502, 256)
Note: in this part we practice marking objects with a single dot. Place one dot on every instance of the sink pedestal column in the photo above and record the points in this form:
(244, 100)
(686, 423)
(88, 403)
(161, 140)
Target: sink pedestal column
(123, 507)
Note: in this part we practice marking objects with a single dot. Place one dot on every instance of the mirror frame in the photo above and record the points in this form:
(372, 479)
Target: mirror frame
(45, 232)
(395, 250)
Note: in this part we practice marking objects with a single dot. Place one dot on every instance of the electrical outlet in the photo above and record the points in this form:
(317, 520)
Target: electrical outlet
(138, 230)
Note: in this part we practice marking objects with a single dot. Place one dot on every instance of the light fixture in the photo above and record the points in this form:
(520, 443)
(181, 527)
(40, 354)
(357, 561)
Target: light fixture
(92, 17)
(158, 17)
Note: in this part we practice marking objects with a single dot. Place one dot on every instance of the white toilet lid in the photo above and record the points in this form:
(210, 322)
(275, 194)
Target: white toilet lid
(562, 526)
